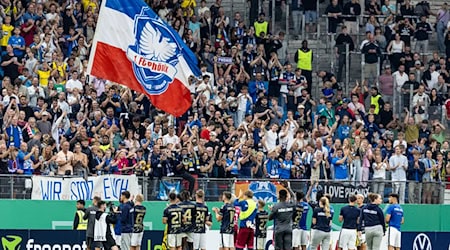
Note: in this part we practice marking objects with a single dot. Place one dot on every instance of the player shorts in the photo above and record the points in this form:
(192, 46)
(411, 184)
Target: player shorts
(118, 238)
(299, 237)
(347, 239)
(199, 240)
(394, 237)
(296, 237)
(226, 240)
(260, 243)
(125, 242)
(189, 236)
(303, 237)
(245, 238)
(136, 239)
(174, 240)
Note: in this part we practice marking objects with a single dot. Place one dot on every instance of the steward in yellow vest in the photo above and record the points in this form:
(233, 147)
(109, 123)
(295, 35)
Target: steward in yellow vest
(376, 100)
(78, 222)
(303, 57)
(261, 25)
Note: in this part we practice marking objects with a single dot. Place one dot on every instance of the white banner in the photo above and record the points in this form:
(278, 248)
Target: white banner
(108, 187)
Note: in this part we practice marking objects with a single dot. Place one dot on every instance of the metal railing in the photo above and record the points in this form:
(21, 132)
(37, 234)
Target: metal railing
(20, 187)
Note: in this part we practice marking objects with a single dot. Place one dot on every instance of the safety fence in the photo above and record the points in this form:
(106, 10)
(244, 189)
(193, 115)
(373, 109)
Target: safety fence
(110, 187)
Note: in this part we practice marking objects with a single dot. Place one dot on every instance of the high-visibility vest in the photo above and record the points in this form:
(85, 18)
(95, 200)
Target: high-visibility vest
(374, 101)
(260, 27)
(304, 60)
(247, 213)
(82, 223)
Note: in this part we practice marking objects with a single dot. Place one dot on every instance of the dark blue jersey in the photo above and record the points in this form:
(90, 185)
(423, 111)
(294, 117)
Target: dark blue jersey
(350, 215)
(297, 216)
(173, 213)
(201, 217)
(302, 223)
(126, 218)
(322, 220)
(188, 216)
(261, 224)
(138, 212)
(227, 212)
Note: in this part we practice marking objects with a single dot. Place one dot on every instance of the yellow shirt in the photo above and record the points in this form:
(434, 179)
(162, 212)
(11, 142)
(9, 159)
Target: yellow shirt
(61, 69)
(89, 3)
(43, 77)
(7, 33)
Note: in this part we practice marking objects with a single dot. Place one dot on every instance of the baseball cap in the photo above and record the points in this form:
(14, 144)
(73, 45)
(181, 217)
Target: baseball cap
(417, 63)
(45, 113)
(301, 106)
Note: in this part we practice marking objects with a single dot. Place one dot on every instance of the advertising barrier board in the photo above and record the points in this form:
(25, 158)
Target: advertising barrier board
(75, 240)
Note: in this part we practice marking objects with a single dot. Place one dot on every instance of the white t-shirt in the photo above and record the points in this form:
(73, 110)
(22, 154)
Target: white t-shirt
(170, 139)
(271, 140)
(380, 173)
(74, 84)
(398, 174)
(400, 79)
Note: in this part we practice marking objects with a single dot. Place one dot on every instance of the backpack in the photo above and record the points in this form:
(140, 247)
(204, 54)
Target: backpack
(422, 8)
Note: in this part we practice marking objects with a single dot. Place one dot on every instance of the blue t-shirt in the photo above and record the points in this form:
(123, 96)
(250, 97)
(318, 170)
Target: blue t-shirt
(244, 207)
(343, 131)
(396, 212)
(302, 223)
(272, 167)
(340, 169)
(234, 169)
(17, 40)
(327, 92)
(285, 170)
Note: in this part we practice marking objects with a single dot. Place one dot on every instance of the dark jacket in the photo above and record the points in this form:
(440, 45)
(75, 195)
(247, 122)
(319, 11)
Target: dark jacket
(90, 216)
(415, 174)
(371, 57)
(371, 215)
(126, 220)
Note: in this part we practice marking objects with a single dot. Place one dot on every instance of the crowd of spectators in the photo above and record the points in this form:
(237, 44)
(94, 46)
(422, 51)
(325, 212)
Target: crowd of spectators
(253, 114)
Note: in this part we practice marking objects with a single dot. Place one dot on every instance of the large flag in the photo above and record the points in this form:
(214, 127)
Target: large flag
(134, 47)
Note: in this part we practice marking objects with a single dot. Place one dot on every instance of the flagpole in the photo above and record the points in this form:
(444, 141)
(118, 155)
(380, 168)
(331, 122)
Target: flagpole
(95, 40)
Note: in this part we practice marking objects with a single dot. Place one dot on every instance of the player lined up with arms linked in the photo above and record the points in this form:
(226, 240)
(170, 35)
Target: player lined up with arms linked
(248, 210)
(349, 215)
(188, 219)
(394, 220)
(172, 216)
(202, 219)
(225, 215)
(299, 228)
(262, 217)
